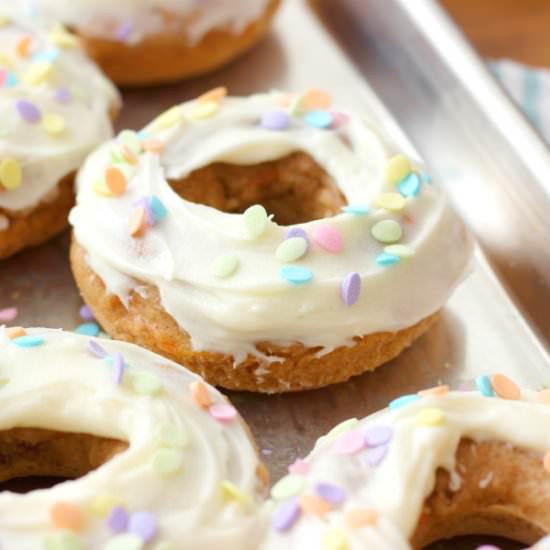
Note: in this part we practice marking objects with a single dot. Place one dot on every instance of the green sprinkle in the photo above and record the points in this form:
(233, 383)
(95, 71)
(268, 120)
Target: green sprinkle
(63, 540)
(255, 221)
(225, 266)
(166, 462)
(401, 250)
(387, 231)
(288, 486)
(291, 249)
(146, 383)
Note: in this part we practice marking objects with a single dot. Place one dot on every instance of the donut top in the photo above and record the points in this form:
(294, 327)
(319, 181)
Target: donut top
(54, 107)
(188, 474)
(132, 20)
(391, 257)
(365, 482)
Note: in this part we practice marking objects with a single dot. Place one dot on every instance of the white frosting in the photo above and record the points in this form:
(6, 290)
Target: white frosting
(398, 486)
(132, 20)
(62, 386)
(46, 158)
(255, 304)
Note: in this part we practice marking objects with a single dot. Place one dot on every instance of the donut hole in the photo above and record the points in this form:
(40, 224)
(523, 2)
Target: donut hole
(501, 491)
(294, 189)
(33, 458)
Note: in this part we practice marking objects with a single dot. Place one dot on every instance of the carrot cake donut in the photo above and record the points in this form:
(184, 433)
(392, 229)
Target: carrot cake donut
(269, 243)
(139, 42)
(55, 107)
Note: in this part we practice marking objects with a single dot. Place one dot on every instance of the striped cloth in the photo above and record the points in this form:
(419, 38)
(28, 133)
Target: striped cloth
(529, 88)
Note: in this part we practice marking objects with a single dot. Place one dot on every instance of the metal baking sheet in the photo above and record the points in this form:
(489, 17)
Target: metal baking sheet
(495, 321)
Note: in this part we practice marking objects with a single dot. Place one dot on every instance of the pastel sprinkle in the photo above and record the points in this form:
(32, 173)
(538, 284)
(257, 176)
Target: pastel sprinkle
(38, 73)
(62, 38)
(291, 249)
(65, 515)
(350, 289)
(299, 466)
(167, 462)
(225, 266)
(387, 231)
(15, 332)
(204, 109)
(314, 505)
(401, 250)
(102, 505)
(316, 99)
(137, 222)
(342, 427)
(23, 46)
(332, 494)
(53, 124)
(296, 275)
(286, 515)
(144, 525)
(232, 492)
(28, 111)
(169, 118)
(63, 540)
(125, 541)
(328, 238)
(118, 368)
(410, 186)
(356, 210)
(174, 436)
(483, 384)
(216, 94)
(334, 539)
(11, 174)
(157, 208)
(130, 140)
(8, 314)
(118, 519)
(376, 455)
(349, 443)
(276, 119)
(86, 313)
(390, 201)
(436, 391)
(403, 401)
(318, 119)
(386, 260)
(147, 383)
(288, 486)
(397, 168)
(430, 417)
(361, 517)
(504, 387)
(29, 341)
(297, 232)
(255, 221)
(339, 119)
(200, 394)
(378, 435)
(115, 181)
(222, 412)
(95, 349)
(88, 329)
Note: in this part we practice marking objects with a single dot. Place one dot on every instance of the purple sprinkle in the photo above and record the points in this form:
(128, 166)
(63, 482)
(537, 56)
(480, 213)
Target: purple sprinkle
(28, 111)
(63, 95)
(124, 32)
(118, 368)
(286, 515)
(267, 452)
(146, 203)
(144, 525)
(298, 232)
(378, 435)
(350, 288)
(376, 455)
(488, 547)
(331, 493)
(277, 119)
(118, 520)
(86, 313)
(95, 349)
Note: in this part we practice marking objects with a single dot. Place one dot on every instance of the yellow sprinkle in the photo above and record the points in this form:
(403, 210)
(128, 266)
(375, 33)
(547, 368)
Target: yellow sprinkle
(334, 539)
(11, 173)
(4, 20)
(5, 61)
(101, 505)
(53, 124)
(232, 492)
(38, 73)
(61, 37)
(204, 109)
(100, 187)
(430, 417)
(169, 118)
(396, 169)
(390, 201)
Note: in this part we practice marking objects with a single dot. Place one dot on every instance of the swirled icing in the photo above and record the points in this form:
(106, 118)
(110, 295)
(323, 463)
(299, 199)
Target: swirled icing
(61, 385)
(72, 91)
(395, 483)
(255, 303)
(131, 20)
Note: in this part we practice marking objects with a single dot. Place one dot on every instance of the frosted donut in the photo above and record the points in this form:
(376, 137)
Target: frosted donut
(360, 255)
(139, 42)
(161, 458)
(434, 465)
(55, 107)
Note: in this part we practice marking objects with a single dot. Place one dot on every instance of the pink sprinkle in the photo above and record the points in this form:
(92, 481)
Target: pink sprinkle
(222, 412)
(8, 314)
(328, 238)
(299, 467)
(339, 119)
(349, 443)
(3, 76)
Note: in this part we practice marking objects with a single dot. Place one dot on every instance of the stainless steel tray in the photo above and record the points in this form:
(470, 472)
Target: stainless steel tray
(491, 161)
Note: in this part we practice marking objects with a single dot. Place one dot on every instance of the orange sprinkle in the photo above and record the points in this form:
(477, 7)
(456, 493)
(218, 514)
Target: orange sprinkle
(361, 517)
(317, 99)
(65, 515)
(217, 94)
(15, 332)
(285, 100)
(128, 156)
(436, 391)
(23, 46)
(116, 181)
(546, 462)
(314, 505)
(138, 221)
(504, 387)
(200, 395)
(543, 396)
(153, 145)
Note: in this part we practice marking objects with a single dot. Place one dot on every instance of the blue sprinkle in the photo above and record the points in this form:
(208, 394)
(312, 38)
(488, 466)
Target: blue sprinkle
(143, 135)
(158, 209)
(318, 119)
(49, 55)
(88, 329)
(386, 259)
(296, 275)
(483, 384)
(410, 186)
(426, 178)
(357, 210)
(28, 341)
(11, 80)
(403, 401)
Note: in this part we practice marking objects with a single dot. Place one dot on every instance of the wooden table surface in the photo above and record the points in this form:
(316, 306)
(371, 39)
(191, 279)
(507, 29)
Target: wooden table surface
(515, 29)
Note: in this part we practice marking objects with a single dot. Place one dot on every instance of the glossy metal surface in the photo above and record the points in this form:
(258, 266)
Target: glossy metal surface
(480, 330)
